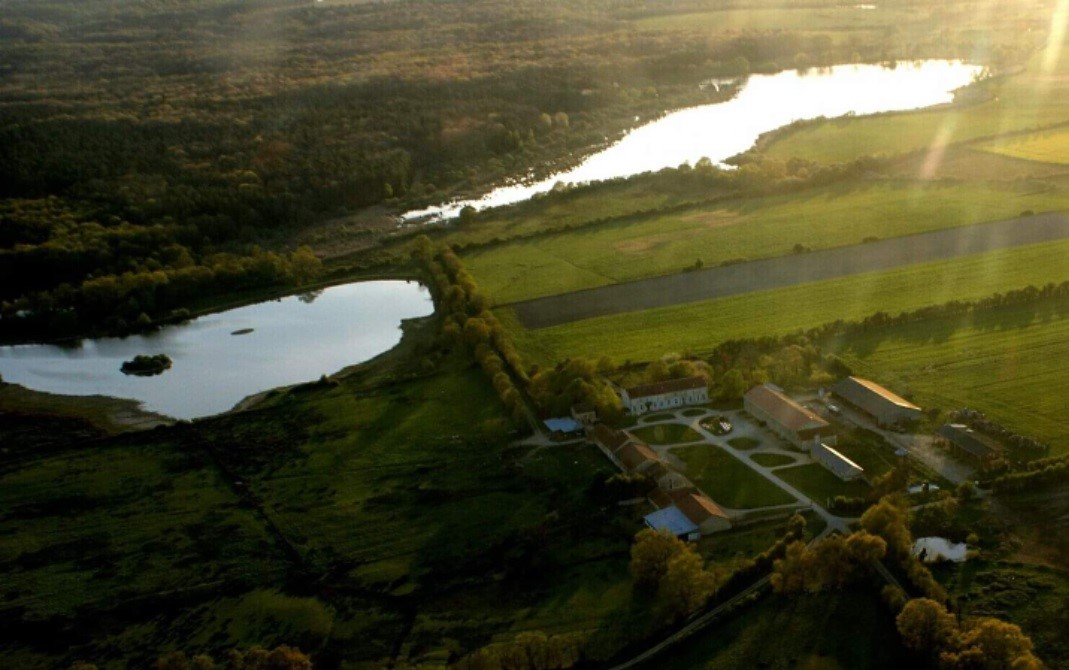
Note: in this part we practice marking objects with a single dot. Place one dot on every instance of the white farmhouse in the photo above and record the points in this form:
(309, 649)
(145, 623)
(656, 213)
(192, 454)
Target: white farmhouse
(665, 395)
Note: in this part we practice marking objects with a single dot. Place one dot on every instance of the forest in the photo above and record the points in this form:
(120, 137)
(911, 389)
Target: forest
(196, 139)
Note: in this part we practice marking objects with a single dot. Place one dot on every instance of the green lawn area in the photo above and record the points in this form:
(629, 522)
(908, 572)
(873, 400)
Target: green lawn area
(992, 360)
(743, 442)
(694, 411)
(1045, 147)
(772, 460)
(671, 433)
(749, 228)
(1031, 100)
(727, 480)
(818, 483)
(698, 327)
(799, 632)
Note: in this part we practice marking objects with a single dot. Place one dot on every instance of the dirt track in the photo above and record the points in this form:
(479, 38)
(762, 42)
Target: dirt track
(784, 271)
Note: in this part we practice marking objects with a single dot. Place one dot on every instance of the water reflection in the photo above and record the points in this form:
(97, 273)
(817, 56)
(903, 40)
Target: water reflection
(763, 103)
(282, 342)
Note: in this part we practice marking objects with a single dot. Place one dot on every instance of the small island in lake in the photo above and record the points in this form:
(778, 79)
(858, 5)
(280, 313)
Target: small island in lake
(242, 331)
(146, 366)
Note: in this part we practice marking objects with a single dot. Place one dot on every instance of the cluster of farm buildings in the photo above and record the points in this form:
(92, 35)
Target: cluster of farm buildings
(686, 511)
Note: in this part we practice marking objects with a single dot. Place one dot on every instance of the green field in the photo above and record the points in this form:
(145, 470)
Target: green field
(772, 460)
(743, 442)
(992, 360)
(1033, 99)
(727, 480)
(672, 433)
(698, 327)
(751, 228)
(1046, 147)
(818, 483)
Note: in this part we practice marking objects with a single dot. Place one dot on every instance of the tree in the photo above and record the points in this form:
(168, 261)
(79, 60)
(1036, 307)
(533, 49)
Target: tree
(995, 644)
(686, 585)
(650, 554)
(926, 627)
(866, 549)
(793, 572)
(305, 265)
(887, 519)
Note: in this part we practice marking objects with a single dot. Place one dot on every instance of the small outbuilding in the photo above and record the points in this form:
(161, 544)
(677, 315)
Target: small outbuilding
(673, 520)
(563, 427)
(971, 445)
(839, 465)
(585, 413)
(885, 407)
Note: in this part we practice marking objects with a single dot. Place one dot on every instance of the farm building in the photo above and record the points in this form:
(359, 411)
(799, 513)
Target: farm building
(801, 427)
(884, 406)
(969, 444)
(563, 427)
(637, 457)
(703, 512)
(585, 414)
(665, 395)
(620, 447)
(839, 465)
(673, 520)
(667, 479)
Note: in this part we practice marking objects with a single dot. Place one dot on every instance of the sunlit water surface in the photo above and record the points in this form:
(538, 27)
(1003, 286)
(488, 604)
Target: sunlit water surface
(763, 103)
(295, 339)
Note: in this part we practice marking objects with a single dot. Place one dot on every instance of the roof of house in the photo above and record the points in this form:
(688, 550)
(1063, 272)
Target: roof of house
(634, 454)
(669, 386)
(564, 425)
(870, 396)
(977, 444)
(696, 506)
(783, 410)
(610, 438)
(840, 465)
(671, 519)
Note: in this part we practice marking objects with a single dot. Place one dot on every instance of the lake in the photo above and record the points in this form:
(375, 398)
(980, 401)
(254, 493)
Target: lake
(292, 340)
(722, 130)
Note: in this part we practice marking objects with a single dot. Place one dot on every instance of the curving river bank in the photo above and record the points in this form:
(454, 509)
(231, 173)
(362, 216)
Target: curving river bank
(722, 130)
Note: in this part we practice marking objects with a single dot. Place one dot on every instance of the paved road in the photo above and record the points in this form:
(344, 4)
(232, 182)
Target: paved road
(783, 271)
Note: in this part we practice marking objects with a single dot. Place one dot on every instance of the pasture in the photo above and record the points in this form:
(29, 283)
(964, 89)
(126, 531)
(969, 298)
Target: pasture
(744, 229)
(698, 327)
(727, 480)
(1045, 147)
(1010, 362)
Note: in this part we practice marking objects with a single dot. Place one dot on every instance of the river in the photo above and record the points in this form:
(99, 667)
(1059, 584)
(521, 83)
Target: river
(763, 103)
(292, 340)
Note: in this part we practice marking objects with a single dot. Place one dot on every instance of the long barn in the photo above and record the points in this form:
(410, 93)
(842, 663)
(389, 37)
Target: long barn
(885, 407)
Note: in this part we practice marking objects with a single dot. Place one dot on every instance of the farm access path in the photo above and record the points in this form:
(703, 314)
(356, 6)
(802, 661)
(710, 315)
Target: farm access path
(784, 271)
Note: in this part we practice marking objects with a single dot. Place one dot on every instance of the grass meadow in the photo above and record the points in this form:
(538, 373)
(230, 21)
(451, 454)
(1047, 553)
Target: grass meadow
(745, 229)
(698, 327)
(819, 483)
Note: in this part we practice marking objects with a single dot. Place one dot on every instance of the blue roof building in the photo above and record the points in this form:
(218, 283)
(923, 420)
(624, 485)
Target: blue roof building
(673, 520)
(563, 425)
